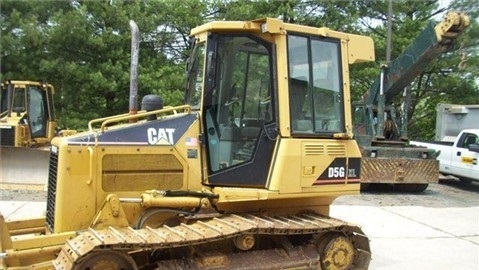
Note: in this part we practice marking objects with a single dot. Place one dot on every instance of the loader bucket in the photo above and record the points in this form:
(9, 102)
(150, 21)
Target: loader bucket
(24, 166)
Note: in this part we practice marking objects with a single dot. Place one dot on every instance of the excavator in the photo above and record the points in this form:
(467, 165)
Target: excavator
(380, 125)
(240, 177)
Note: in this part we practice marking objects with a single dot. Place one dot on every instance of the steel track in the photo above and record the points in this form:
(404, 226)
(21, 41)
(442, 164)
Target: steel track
(128, 240)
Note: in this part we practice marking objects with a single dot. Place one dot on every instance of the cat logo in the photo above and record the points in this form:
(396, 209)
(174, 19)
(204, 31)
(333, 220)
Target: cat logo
(160, 136)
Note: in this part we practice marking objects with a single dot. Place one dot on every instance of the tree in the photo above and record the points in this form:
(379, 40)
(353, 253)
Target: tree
(452, 79)
(25, 37)
(439, 83)
(83, 47)
(91, 42)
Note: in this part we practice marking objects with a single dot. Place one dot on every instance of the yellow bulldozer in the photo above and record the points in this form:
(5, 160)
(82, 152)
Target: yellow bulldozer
(27, 116)
(27, 125)
(240, 177)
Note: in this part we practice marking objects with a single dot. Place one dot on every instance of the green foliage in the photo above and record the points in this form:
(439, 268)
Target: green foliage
(451, 79)
(83, 48)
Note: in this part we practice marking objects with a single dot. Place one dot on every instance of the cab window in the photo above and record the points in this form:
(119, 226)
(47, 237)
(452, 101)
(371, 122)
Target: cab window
(315, 88)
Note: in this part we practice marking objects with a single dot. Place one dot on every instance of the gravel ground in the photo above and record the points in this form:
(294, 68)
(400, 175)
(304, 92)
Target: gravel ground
(448, 193)
(23, 195)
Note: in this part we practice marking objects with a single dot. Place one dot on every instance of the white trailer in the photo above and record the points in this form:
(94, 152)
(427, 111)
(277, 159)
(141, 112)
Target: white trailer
(457, 140)
(451, 119)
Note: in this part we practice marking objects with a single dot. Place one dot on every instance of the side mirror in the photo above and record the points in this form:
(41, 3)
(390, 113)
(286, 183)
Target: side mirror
(474, 147)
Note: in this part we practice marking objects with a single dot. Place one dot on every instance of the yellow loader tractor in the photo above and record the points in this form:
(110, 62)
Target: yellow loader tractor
(241, 177)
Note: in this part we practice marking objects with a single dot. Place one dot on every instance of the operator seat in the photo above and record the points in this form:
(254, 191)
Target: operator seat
(298, 91)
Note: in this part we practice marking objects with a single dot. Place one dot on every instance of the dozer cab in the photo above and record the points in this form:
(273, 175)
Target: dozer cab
(241, 177)
(27, 114)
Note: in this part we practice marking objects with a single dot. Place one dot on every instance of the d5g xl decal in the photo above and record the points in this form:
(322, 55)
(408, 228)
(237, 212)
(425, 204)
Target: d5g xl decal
(341, 170)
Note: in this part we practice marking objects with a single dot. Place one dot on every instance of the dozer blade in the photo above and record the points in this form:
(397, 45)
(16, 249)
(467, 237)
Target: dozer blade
(24, 166)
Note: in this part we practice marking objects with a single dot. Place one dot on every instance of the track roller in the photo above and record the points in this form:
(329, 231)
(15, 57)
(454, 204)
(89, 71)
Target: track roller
(336, 252)
(244, 241)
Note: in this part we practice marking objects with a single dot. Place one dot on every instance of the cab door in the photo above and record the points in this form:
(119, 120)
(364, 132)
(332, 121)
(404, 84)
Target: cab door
(463, 160)
(238, 110)
(37, 111)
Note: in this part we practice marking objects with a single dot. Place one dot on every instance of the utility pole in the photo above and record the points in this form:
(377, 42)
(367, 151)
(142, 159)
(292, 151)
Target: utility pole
(389, 25)
(381, 101)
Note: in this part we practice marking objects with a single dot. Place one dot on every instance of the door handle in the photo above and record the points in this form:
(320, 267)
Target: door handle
(458, 153)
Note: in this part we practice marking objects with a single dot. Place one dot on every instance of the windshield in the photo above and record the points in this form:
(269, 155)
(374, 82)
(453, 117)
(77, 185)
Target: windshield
(3, 100)
(195, 76)
(17, 99)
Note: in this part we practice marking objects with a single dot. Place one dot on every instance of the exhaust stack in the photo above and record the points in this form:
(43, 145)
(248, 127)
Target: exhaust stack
(135, 49)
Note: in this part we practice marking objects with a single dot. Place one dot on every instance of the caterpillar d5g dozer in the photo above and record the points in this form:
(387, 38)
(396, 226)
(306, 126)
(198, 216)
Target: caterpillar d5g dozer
(241, 177)
(27, 125)
(381, 125)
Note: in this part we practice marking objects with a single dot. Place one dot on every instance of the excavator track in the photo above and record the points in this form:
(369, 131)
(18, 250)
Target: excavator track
(307, 241)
